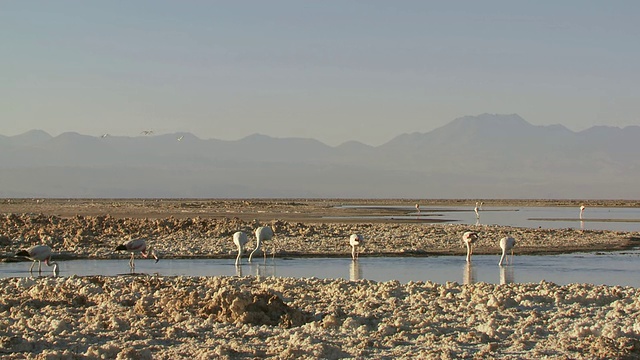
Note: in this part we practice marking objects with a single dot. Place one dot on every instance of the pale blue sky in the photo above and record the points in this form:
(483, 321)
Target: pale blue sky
(330, 70)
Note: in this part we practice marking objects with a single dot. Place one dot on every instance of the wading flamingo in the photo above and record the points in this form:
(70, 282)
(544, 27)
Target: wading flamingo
(39, 253)
(263, 233)
(418, 208)
(240, 239)
(355, 240)
(137, 245)
(506, 244)
(581, 210)
(476, 211)
(469, 238)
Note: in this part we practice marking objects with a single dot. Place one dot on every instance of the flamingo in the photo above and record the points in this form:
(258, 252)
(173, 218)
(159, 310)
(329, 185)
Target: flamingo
(263, 233)
(240, 239)
(506, 244)
(469, 238)
(180, 138)
(581, 210)
(355, 240)
(39, 253)
(418, 208)
(476, 211)
(137, 245)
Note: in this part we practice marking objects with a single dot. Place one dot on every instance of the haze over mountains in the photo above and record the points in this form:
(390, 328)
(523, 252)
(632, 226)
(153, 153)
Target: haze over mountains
(485, 156)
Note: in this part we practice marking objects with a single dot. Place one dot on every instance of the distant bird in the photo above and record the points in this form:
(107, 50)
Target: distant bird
(469, 238)
(581, 210)
(39, 253)
(355, 240)
(137, 246)
(506, 244)
(262, 233)
(180, 138)
(104, 135)
(476, 211)
(240, 239)
(147, 132)
(418, 208)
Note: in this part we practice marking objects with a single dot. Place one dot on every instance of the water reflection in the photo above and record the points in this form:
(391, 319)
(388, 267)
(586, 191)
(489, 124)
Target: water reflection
(506, 275)
(469, 274)
(263, 270)
(354, 271)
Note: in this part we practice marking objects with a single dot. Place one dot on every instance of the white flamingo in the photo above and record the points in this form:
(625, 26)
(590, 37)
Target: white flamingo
(469, 238)
(240, 239)
(137, 246)
(263, 233)
(581, 210)
(506, 244)
(418, 208)
(476, 211)
(39, 253)
(355, 240)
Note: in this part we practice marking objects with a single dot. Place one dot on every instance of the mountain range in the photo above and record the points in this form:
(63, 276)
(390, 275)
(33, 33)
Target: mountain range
(484, 156)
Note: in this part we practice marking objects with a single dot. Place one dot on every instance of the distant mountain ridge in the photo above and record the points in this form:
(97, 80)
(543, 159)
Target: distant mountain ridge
(484, 156)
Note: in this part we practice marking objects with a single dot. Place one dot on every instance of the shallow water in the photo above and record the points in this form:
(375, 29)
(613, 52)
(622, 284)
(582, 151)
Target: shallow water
(550, 217)
(617, 268)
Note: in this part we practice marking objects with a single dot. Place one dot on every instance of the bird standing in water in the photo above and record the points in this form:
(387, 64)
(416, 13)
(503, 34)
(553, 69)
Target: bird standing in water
(469, 238)
(355, 240)
(137, 246)
(39, 253)
(506, 244)
(240, 239)
(263, 233)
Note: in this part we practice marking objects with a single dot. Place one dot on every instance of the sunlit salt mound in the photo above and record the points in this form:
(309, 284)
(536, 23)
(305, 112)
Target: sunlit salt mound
(245, 307)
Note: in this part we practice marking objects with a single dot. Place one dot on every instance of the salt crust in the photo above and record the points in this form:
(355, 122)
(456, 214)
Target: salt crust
(146, 317)
(97, 236)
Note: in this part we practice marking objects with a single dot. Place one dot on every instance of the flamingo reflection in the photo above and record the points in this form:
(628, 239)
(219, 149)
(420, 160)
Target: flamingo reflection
(506, 275)
(355, 272)
(468, 274)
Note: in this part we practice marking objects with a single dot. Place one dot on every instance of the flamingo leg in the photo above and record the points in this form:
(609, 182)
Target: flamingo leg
(239, 255)
(131, 264)
(39, 267)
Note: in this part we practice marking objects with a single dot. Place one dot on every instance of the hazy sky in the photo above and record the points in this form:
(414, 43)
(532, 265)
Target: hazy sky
(330, 70)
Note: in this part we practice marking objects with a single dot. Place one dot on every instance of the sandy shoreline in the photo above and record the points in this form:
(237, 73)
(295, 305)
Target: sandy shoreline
(148, 317)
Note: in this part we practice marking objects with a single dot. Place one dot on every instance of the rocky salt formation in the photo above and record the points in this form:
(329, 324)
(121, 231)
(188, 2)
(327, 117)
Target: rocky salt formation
(97, 236)
(146, 317)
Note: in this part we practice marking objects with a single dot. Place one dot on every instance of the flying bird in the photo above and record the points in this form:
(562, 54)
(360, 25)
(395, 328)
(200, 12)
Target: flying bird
(262, 233)
(240, 239)
(39, 253)
(469, 238)
(355, 240)
(137, 246)
(506, 244)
